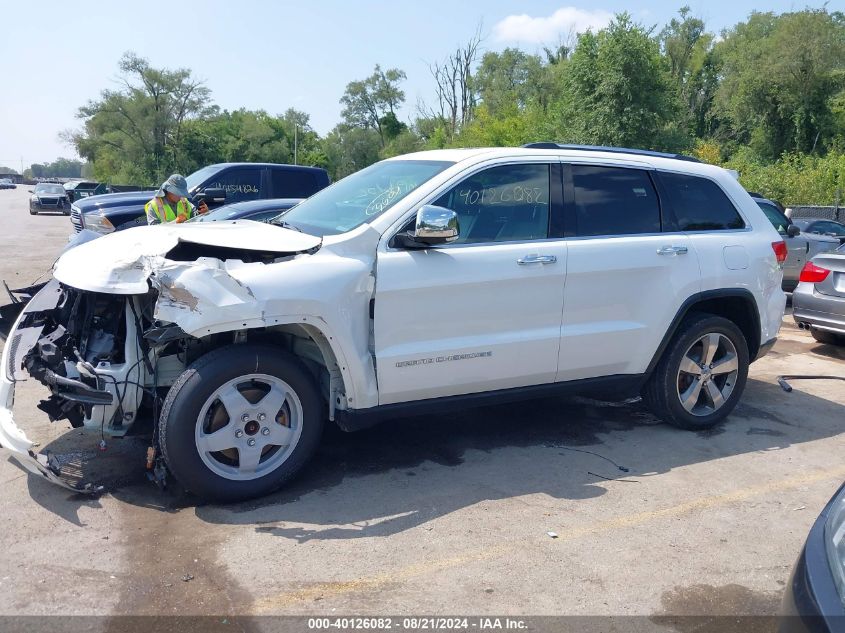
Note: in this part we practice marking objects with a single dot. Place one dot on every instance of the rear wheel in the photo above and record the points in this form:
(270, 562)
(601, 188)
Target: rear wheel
(701, 375)
(240, 422)
(829, 338)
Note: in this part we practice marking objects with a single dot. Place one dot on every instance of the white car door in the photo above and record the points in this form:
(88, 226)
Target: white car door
(482, 313)
(626, 278)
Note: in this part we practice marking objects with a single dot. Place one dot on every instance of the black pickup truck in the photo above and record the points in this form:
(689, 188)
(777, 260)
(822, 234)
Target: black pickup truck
(216, 184)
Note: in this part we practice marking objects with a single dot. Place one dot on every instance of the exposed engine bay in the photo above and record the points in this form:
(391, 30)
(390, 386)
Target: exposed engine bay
(87, 348)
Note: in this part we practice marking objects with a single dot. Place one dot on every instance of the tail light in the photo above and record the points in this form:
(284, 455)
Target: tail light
(779, 248)
(812, 273)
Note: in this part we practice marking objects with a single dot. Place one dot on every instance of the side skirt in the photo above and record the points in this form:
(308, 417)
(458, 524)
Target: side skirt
(615, 388)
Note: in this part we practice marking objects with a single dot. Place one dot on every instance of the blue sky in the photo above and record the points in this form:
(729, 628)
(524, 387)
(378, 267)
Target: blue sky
(271, 55)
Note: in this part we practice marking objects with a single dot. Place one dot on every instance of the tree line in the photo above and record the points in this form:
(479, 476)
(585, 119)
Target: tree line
(765, 97)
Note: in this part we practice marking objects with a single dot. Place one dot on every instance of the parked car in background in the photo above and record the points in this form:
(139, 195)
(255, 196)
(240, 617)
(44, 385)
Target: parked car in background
(78, 189)
(48, 197)
(801, 246)
(6, 183)
(256, 210)
(814, 597)
(821, 226)
(219, 184)
(818, 303)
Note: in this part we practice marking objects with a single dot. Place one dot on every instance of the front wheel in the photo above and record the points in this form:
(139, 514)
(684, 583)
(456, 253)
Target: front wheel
(701, 375)
(240, 422)
(32, 211)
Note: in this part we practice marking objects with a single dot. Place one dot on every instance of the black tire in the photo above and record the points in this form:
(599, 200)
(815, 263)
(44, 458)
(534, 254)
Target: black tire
(661, 392)
(32, 211)
(828, 338)
(186, 398)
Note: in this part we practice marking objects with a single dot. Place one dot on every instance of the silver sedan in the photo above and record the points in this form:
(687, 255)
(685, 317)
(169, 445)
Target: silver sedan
(818, 302)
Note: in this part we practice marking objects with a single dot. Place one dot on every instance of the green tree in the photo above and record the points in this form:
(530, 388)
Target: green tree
(617, 89)
(780, 77)
(371, 103)
(688, 49)
(510, 78)
(348, 148)
(134, 132)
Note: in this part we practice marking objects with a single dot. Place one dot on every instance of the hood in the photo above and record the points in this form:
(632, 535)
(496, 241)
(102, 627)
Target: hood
(107, 200)
(121, 262)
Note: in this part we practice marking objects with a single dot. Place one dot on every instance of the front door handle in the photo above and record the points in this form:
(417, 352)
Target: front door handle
(536, 259)
(672, 250)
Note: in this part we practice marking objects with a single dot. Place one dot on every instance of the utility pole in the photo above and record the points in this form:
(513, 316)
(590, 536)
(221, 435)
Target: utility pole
(294, 142)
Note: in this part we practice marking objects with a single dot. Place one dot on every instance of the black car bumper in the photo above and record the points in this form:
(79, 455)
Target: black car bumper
(811, 603)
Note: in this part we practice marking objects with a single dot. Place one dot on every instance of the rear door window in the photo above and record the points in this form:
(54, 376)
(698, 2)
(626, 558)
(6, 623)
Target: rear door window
(700, 204)
(614, 201)
(293, 183)
(239, 184)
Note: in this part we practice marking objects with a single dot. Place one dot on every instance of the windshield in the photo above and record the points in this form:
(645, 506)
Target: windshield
(50, 189)
(200, 176)
(359, 198)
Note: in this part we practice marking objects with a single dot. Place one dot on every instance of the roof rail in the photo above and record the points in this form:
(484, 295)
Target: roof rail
(614, 150)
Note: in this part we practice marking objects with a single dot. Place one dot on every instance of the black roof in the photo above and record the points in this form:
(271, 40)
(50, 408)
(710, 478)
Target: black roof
(297, 167)
(614, 150)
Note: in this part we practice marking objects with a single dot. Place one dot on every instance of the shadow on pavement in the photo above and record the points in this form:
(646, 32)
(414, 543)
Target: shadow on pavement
(405, 473)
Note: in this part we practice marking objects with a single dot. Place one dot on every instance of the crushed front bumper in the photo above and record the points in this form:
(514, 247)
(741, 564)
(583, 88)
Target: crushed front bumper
(12, 437)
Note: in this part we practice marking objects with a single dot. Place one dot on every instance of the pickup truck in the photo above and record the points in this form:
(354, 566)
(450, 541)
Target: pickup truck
(218, 184)
(423, 283)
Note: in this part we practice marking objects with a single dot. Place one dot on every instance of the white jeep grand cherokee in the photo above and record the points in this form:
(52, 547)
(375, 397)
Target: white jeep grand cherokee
(426, 281)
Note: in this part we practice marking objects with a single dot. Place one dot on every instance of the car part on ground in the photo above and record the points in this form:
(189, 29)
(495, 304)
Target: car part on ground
(436, 279)
(783, 381)
(818, 302)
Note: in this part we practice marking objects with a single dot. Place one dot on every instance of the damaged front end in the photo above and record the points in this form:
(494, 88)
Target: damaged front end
(127, 313)
(86, 348)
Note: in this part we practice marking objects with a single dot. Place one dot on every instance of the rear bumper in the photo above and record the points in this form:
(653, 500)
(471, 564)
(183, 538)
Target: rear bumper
(825, 312)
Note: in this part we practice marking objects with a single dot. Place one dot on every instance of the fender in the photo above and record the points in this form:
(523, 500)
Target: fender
(691, 302)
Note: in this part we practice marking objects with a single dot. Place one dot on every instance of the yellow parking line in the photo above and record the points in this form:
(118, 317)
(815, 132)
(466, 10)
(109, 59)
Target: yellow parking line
(376, 581)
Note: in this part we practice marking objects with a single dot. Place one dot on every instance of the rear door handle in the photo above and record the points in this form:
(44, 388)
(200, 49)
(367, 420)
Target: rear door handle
(672, 250)
(536, 259)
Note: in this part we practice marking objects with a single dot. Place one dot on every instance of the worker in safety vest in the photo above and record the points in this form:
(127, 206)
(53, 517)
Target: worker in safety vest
(171, 203)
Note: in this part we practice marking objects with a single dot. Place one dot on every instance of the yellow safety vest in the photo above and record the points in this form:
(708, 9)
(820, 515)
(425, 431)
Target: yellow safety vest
(164, 212)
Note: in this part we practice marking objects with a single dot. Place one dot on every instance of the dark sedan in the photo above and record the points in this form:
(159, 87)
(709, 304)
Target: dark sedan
(821, 226)
(813, 602)
(257, 210)
(48, 197)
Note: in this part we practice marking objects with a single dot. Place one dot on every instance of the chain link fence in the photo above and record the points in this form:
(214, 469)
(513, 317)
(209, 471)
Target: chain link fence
(835, 213)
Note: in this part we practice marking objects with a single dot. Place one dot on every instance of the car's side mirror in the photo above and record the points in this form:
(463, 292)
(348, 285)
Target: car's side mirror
(434, 226)
(212, 195)
(31, 190)
(793, 231)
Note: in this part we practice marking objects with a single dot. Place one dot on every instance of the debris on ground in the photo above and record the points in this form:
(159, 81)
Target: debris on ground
(552, 534)
(187, 578)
